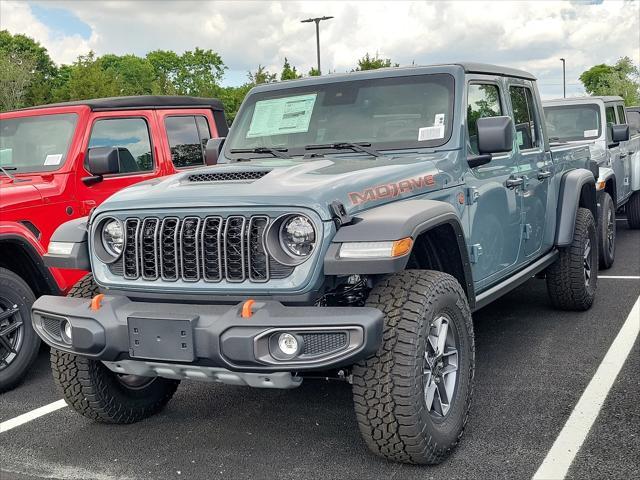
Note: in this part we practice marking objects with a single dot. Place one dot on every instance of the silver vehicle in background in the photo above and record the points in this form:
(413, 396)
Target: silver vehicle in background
(602, 123)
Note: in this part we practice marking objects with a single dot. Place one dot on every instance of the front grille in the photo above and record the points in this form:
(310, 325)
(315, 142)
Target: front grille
(321, 343)
(194, 248)
(228, 176)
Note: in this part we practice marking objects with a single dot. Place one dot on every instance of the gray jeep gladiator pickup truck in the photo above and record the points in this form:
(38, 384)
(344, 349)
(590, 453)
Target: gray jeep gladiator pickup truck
(350, 226)
(601, 123)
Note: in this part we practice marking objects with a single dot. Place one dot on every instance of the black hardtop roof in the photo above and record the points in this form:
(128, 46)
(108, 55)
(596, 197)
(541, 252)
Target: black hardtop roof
(141, 102)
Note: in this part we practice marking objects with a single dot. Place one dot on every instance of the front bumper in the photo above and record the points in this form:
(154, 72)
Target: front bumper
(208, 336)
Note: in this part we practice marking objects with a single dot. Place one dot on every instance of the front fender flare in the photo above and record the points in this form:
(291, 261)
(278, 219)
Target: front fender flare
(577, 187)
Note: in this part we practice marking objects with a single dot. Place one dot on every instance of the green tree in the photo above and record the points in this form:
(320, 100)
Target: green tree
(288, 72)
(21, 50)
(166, 65)
(372, 63)
(261, 75)
(314, 72)
(199, 73)
(15, 78)
(621, 79)
(87, 79)
(135, 75)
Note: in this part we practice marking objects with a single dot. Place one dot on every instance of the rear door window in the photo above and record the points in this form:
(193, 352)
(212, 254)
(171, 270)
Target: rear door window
(634, 121)
(483, 100)
(187, 137)
(131, 134)
(621, 118)
(524, 118)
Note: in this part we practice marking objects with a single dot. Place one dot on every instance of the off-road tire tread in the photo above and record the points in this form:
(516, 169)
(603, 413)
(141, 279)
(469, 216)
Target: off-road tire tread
(387, 402)
(633, 211)
(84, 383)
(565, 277)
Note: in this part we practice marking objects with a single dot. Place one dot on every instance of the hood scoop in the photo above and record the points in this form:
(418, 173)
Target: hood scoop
(242, 176)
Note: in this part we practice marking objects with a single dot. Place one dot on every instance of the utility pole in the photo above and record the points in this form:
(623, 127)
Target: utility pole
(317, 21)
(564, 79)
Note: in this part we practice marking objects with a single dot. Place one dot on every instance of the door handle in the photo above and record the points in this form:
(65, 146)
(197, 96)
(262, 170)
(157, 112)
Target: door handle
(514, 182)
(623, 155)
(542, 174)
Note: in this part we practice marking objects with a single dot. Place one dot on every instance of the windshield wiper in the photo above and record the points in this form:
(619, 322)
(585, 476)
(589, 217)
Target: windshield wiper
(356, 147)
(276, 152)
(4, 170)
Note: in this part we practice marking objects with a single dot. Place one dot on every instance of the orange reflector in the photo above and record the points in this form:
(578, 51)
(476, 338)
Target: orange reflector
(96, 302)
(600, 185)
(401, 247)
(246, 308)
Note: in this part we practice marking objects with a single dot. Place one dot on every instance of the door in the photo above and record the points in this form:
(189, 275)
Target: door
(495, 213)
(535, 166)
(626, 153)
(137, 163)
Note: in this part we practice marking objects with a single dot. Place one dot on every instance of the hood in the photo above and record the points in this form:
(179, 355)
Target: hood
(358, 183)
(18, 194)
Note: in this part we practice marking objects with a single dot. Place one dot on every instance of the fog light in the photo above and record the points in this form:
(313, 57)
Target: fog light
(66, 331)
(288, 344)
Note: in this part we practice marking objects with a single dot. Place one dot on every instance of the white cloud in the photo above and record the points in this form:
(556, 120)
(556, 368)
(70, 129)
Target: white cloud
(530, 35)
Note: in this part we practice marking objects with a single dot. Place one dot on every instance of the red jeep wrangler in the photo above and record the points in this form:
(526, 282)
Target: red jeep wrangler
(53, 169)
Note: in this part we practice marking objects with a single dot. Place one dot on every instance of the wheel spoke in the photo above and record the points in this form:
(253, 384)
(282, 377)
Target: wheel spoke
(430, 392)
(442, 336)
(11, 328)
(449, 369)
(443, 397)
(9, 312)
(4, 342)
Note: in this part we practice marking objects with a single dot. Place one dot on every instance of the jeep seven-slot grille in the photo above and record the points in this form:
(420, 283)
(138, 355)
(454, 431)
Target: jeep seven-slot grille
(196, 248)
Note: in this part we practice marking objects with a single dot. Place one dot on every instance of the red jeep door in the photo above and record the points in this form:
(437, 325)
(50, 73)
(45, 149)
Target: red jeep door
(132, 130)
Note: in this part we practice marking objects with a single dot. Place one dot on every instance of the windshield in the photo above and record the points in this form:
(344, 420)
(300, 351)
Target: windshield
(387, 113)
(35, 144)
(567, 123)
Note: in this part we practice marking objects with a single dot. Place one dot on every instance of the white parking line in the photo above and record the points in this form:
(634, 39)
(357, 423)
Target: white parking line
(32, 415)
(575, 431)
(621, 277)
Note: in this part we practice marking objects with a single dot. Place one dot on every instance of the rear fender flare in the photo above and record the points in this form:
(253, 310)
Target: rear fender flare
(577, 189)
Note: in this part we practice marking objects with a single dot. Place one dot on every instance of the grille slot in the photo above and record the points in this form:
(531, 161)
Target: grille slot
(52, 327)
(194, 248)
(189, 248)
(130, 254)
(228, 176)
(149, 248)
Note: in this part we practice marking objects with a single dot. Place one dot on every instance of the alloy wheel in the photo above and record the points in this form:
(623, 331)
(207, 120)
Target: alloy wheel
(440, 371)
(11, 332)
(586, 262)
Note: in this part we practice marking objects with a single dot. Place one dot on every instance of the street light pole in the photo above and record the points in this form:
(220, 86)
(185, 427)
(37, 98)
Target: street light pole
(317, 21)
(564, 79)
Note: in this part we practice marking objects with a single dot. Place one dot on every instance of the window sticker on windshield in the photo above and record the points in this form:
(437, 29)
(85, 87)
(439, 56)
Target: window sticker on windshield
(431, 133)
(590, 133)
(439, 119)
(279, 116)
(53, 159)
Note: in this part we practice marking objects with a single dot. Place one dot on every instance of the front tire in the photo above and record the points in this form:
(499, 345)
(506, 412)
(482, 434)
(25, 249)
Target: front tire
(96, 392)
(607, 232)
(573, 278)
(19, 343)
(412, 398)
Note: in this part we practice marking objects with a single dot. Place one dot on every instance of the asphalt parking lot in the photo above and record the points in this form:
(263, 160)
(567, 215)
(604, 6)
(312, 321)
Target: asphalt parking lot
(533, 364)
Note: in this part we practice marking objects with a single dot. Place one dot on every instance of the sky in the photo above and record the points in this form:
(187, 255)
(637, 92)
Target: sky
(528, 35)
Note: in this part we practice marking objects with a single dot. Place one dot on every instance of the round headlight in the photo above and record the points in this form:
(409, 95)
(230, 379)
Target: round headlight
(297, 235)
(113, 237)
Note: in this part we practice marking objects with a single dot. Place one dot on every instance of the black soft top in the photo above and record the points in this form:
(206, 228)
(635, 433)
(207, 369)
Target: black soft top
(142, 102)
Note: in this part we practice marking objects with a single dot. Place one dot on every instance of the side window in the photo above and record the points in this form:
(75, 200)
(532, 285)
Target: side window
(634, 121)
(610, 115)
(187, 136)
(524, 117)
(483, 101)
(621, 118)
(131, 134)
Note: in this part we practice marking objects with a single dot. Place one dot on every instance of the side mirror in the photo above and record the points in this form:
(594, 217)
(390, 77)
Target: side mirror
(619, 133)
(103, 161)
(212, 150)
(495, 135)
